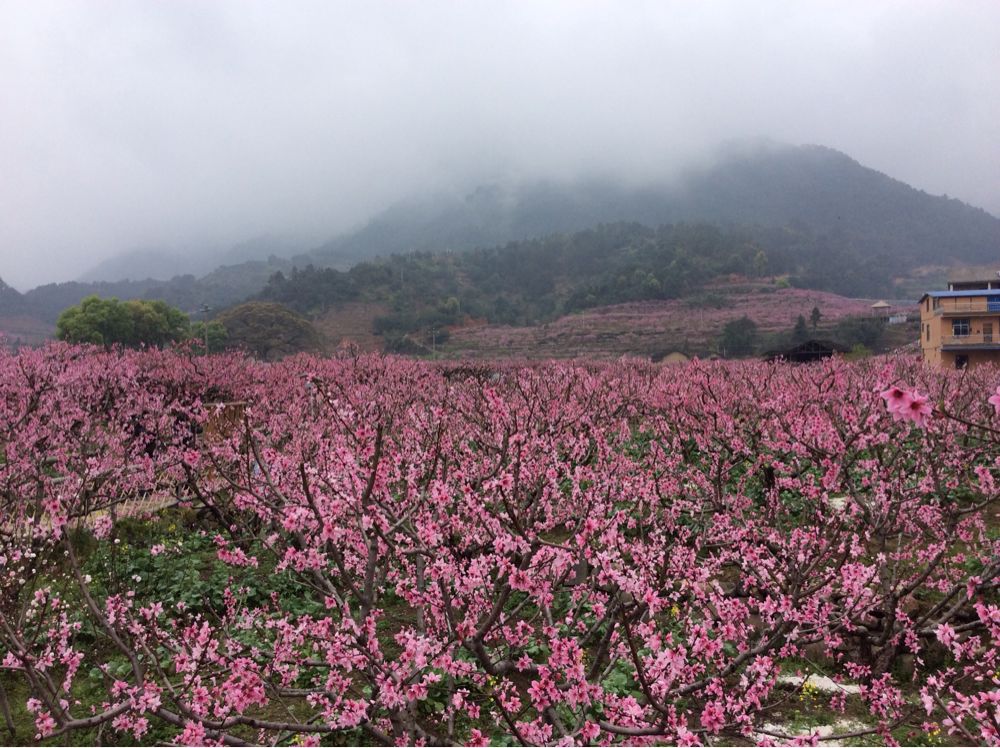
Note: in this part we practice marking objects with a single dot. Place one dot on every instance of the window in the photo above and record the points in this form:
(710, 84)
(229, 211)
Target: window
(987, 332)
(961, 327)
(928, 328)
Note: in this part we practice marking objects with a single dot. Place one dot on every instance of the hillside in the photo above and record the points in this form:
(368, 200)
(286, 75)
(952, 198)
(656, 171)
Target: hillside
(24, 330)
(11, 300)
(657, 328)
(520, 255)
(812, 190)
(163, 264)
(539, 281)
(222, 287)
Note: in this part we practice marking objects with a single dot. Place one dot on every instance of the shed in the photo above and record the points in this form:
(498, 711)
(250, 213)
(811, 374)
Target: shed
(675, 358)
(806, 351)
(881, 308)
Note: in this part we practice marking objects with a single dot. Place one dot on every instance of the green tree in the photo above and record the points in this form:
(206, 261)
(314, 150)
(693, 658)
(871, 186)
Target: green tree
(110, 322)
(739, 337)
(209, 337)
(800, 332)
(815, 316)
(268, 330)
(156, 323)
(866, 331)
(94, 320)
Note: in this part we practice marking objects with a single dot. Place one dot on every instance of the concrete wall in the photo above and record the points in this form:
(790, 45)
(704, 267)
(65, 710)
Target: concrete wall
(936, 328)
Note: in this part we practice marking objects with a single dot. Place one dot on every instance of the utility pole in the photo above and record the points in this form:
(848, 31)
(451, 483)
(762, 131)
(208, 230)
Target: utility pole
(205, 309)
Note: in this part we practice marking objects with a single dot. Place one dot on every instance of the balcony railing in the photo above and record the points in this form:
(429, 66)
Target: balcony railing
(969, 307)
(976, 339)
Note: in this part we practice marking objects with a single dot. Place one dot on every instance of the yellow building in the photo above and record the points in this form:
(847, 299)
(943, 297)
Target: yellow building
(961, 326)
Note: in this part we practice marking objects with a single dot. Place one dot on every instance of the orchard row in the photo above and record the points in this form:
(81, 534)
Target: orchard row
(370, 549)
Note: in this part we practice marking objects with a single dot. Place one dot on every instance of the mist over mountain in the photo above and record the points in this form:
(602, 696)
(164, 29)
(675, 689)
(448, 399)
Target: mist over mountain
(837, 224)
(224, 286)
(164, 263)
(11, 301)
(762, 184)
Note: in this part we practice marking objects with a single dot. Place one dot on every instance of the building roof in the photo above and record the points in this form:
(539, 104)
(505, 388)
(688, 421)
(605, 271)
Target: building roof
(676, 357)
(961, 294)
(881, 305)
(973, 274)
(808, 350)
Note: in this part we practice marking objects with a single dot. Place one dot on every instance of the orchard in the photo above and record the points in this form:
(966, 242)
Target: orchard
(361, 549)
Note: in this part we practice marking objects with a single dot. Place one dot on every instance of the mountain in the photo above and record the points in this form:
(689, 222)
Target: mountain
(163, 264)
(11, 300)
(140, 264)
(809, 213)
(223, 287)
(814, 188)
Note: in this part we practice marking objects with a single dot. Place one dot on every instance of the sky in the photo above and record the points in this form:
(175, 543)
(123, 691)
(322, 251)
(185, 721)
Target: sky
(197, 123)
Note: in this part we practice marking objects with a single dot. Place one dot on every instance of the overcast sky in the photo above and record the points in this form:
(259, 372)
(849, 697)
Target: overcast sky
(185, 124)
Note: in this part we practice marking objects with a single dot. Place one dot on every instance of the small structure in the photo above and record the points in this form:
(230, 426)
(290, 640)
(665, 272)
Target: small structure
(881, 308)
(674, 358)
(807, 351)
(974, 279)
(960, 327)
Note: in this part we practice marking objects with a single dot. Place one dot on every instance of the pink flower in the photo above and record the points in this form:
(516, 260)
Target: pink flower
(896, 400)
(590, 731)
(102, 526)
(46, 725)
(918, 409)
(995, 401)
(713, 718)
(907, 405)
(477, 738)
(946, 634)
(194, 734)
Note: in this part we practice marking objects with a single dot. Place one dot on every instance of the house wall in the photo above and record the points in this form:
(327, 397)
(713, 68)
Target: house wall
(975, 358)
(935, 328)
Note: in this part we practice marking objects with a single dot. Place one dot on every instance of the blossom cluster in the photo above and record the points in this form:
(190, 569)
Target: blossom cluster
(569, 553)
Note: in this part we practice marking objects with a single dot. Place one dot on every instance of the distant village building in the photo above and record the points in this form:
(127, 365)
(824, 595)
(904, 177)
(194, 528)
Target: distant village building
(960, 327)
(881, 309)
(807, 351)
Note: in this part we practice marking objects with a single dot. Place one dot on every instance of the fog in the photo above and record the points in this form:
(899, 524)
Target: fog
(198, 124)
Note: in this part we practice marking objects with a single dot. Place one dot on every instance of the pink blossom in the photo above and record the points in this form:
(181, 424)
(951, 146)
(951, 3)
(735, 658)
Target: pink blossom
(45, 724)
(477, 738)
(994, 400)
(713, 717)
(193, 734)
(916, 408)
(896, 400)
